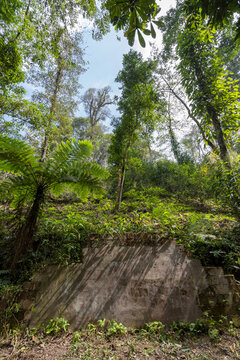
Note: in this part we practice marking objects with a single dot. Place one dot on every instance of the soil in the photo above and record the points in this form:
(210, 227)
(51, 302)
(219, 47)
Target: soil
(98, 346)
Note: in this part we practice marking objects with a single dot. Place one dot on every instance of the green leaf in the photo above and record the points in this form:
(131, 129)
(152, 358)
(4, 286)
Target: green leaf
(141, 39)
(159, 23)
(146, 32)
(131, 37)
(153, 32)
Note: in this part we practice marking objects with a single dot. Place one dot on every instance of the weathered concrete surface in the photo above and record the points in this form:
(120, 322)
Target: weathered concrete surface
(130, 284)
(223, 293)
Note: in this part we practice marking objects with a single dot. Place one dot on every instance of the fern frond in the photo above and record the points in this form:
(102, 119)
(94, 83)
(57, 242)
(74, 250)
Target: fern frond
(87, 168)
(68, 152)
(18, 188)
(81, 186)
(80, 178)
(17, 157)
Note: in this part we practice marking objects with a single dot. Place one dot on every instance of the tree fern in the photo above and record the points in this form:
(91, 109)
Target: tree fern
(17, 157)
(28, 180)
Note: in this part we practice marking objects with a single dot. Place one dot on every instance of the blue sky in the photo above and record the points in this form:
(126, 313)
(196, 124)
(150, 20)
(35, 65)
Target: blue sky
(105, 58)
(104, 62)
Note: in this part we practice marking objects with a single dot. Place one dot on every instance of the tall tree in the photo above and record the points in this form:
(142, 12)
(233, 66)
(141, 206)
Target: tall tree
(95, 102)
(214, 96)
(29, 35)
(212, 92)
(82, 131)
(58, 81)
(137, 106)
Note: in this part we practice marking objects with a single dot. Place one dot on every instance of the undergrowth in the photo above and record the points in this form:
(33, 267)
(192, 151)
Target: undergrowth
(154, 331)
(65, 228)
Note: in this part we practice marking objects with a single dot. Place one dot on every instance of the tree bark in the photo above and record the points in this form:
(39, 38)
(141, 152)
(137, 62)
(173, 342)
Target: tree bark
(26, 233)
(121, 179)
(52, 109)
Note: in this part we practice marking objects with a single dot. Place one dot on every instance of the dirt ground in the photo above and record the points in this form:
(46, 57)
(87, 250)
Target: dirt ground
(129, 346)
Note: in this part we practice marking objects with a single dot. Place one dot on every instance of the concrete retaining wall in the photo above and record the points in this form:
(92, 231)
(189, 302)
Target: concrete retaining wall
(130, 284)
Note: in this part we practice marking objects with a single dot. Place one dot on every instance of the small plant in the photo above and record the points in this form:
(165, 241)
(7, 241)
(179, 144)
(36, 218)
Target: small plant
(116, 329)
(76, 337)
(56, 326)
(213, 334)
(75, 340)
(181, 329)
(153, 330)
(102, 323)
(91, 328)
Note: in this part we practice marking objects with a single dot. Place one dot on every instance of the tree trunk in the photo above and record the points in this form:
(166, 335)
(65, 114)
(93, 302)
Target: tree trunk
(52, 109)
(150, 151)
(26, 233)
(220, 138)
(121, 178)
(223, 152)
(174, 143)
(231, 182)
(190, 114)
(45, 148)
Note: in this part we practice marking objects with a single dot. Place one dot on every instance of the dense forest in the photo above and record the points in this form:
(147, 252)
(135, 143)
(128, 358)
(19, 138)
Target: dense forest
(169, 166)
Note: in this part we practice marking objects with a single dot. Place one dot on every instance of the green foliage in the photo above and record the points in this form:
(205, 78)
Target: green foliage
(171, 178)
(116, 329)
(65, 229)
(11, 64)
(111, 328)
(137, 105)
(134, 17)
(36, 38)
(146, 216)
(32, 180)
(77, 335)
(205, 325)
(9, 9)
(224, 183)
(217, 13)
(66, 167)
(154, 330)
(56, 326)
(215, 248)
(10, 307)
(213, 93)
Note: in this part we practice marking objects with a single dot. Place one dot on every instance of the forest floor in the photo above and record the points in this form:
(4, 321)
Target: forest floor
(98, 346)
